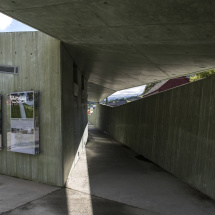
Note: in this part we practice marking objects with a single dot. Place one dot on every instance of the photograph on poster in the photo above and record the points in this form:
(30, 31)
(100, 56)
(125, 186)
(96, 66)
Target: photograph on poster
(22, 105)
(22, 122)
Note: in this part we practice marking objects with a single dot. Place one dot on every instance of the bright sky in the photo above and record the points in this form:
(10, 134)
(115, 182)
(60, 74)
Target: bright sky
(8, 24)
(128, 92)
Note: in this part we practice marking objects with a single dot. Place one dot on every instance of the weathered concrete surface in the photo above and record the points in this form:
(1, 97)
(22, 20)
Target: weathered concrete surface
(44, 65)
(71, 202)
(74, 113)
(16, 192)
(109, 169)
(38, 58)
(120, 44)
(174, 129)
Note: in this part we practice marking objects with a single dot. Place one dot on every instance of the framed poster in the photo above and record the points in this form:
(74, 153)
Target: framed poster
(23, 115)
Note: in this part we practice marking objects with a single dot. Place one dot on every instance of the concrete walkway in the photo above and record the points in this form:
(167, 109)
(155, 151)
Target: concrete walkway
(110, 170)
(21, 197)
(108, 179)
(15, 192)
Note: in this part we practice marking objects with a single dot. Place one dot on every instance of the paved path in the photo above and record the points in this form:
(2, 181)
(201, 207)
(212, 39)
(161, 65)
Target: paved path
(71, 202)
(22, 110)
(107, 180)
(15, 192)
(110, 170)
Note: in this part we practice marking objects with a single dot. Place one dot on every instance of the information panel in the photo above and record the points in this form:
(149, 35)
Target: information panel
(23, 135)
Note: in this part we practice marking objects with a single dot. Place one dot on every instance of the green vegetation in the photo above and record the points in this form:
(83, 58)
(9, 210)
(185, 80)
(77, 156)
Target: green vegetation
(202, 75)
(133, 98)
(149, 86)
(15, 111)
(90, 104)
(29, 111)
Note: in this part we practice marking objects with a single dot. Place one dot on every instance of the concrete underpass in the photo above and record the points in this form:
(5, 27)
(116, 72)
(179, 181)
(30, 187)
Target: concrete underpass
(86, 50)
(109, 178)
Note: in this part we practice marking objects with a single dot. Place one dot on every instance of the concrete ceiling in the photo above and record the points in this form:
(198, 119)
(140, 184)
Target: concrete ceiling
(120, 44)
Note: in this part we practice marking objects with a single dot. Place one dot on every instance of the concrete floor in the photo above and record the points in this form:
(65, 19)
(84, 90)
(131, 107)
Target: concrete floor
(107, 179)
(67, 201)
(15, 192)
(110, 170)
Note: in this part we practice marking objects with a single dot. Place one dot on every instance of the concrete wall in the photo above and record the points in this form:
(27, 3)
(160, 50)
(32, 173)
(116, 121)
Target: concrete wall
(44, 65)
(38, 59)
(74, 114)
(174, 129)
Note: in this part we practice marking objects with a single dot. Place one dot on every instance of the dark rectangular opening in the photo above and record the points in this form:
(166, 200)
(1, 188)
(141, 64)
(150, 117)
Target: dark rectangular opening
(75, 73)
(82, 82)
(9, 69)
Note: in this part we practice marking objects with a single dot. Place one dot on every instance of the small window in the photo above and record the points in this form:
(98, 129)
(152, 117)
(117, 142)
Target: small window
(82, 82)
(75, 73)
(9, 69)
